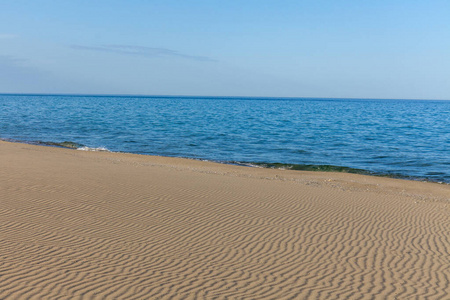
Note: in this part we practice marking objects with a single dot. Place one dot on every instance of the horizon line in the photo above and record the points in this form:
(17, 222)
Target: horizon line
(209, 96)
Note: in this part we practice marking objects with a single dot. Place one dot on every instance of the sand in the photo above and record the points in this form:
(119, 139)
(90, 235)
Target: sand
(96, 225)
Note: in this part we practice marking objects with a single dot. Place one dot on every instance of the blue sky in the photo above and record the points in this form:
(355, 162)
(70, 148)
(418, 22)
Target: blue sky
(351, 49)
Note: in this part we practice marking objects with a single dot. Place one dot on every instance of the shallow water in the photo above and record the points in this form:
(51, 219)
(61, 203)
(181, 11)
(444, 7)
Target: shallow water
(409, 138)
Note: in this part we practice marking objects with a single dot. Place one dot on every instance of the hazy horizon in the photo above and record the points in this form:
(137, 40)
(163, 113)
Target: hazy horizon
(210, 96)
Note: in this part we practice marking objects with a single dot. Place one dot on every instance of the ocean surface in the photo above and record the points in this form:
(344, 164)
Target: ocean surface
(399, 138)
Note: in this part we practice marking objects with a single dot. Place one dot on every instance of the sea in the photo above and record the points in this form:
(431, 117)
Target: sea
(395, 138)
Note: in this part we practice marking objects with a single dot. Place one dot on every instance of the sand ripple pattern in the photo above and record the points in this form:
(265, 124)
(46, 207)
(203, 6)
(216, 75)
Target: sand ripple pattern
(100, 227)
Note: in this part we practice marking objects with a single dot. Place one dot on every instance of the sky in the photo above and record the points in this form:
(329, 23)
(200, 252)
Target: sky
(396, 49)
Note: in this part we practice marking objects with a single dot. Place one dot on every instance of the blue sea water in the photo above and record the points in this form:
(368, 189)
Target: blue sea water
(406, 138)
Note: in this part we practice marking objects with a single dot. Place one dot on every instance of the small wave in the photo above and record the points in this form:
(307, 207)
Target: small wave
(98, 149)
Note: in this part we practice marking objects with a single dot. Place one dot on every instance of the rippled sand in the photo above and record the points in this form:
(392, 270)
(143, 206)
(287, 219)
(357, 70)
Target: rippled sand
(91, 225)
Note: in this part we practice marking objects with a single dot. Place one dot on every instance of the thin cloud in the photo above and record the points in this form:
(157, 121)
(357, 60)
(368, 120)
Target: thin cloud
(7, 36)
(141, 51)
(12, 62)
(16, 75)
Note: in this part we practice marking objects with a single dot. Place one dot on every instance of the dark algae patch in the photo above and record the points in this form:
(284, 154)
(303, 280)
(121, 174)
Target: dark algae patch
(328, 168)
(317, 168)
(65, 144)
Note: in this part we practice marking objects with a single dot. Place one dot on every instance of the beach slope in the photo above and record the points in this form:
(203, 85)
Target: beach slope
(97, 225)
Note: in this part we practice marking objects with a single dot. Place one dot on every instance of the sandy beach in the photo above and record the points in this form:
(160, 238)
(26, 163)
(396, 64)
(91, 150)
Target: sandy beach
(99, 225)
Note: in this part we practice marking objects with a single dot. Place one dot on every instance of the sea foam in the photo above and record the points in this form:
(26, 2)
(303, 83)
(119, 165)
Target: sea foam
(99, 149)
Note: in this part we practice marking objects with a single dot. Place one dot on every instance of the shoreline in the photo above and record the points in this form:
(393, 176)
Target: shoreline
(268, 165)
(98, 225)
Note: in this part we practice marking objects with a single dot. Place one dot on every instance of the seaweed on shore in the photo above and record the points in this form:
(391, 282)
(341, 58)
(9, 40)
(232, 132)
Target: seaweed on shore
(65, 144)
(317, 168)
(326, 168)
